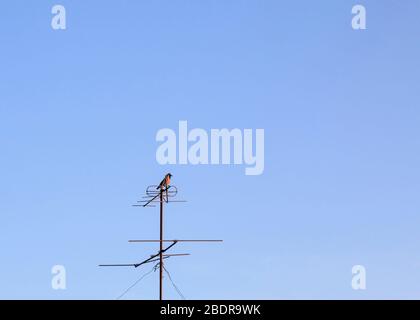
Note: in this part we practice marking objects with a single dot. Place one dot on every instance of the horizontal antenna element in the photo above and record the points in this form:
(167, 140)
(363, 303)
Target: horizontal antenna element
(175, 240)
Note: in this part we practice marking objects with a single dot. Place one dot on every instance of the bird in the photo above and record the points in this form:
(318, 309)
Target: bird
(164, 184)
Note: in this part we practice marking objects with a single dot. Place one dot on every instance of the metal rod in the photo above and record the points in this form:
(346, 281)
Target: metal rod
(118, 265)
(136, 265)
(175, 240)
(149, 201)
(154, 256)
(164, 257)
(161, 247)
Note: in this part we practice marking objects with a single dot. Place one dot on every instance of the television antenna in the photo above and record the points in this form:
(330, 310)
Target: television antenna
(159, 194)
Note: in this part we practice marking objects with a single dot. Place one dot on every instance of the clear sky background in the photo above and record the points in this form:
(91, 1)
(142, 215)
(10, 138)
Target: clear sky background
(80, 108)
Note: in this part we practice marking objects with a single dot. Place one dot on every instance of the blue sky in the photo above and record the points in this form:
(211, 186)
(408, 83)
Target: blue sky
(80, 108)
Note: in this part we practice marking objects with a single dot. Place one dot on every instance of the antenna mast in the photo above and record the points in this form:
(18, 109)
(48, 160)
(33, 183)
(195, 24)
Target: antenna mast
(161, 246)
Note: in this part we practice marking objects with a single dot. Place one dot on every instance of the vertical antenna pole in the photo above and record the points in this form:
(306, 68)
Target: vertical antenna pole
(161, 247)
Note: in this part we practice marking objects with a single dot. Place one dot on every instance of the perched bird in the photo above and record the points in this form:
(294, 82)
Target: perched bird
(164, 184)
